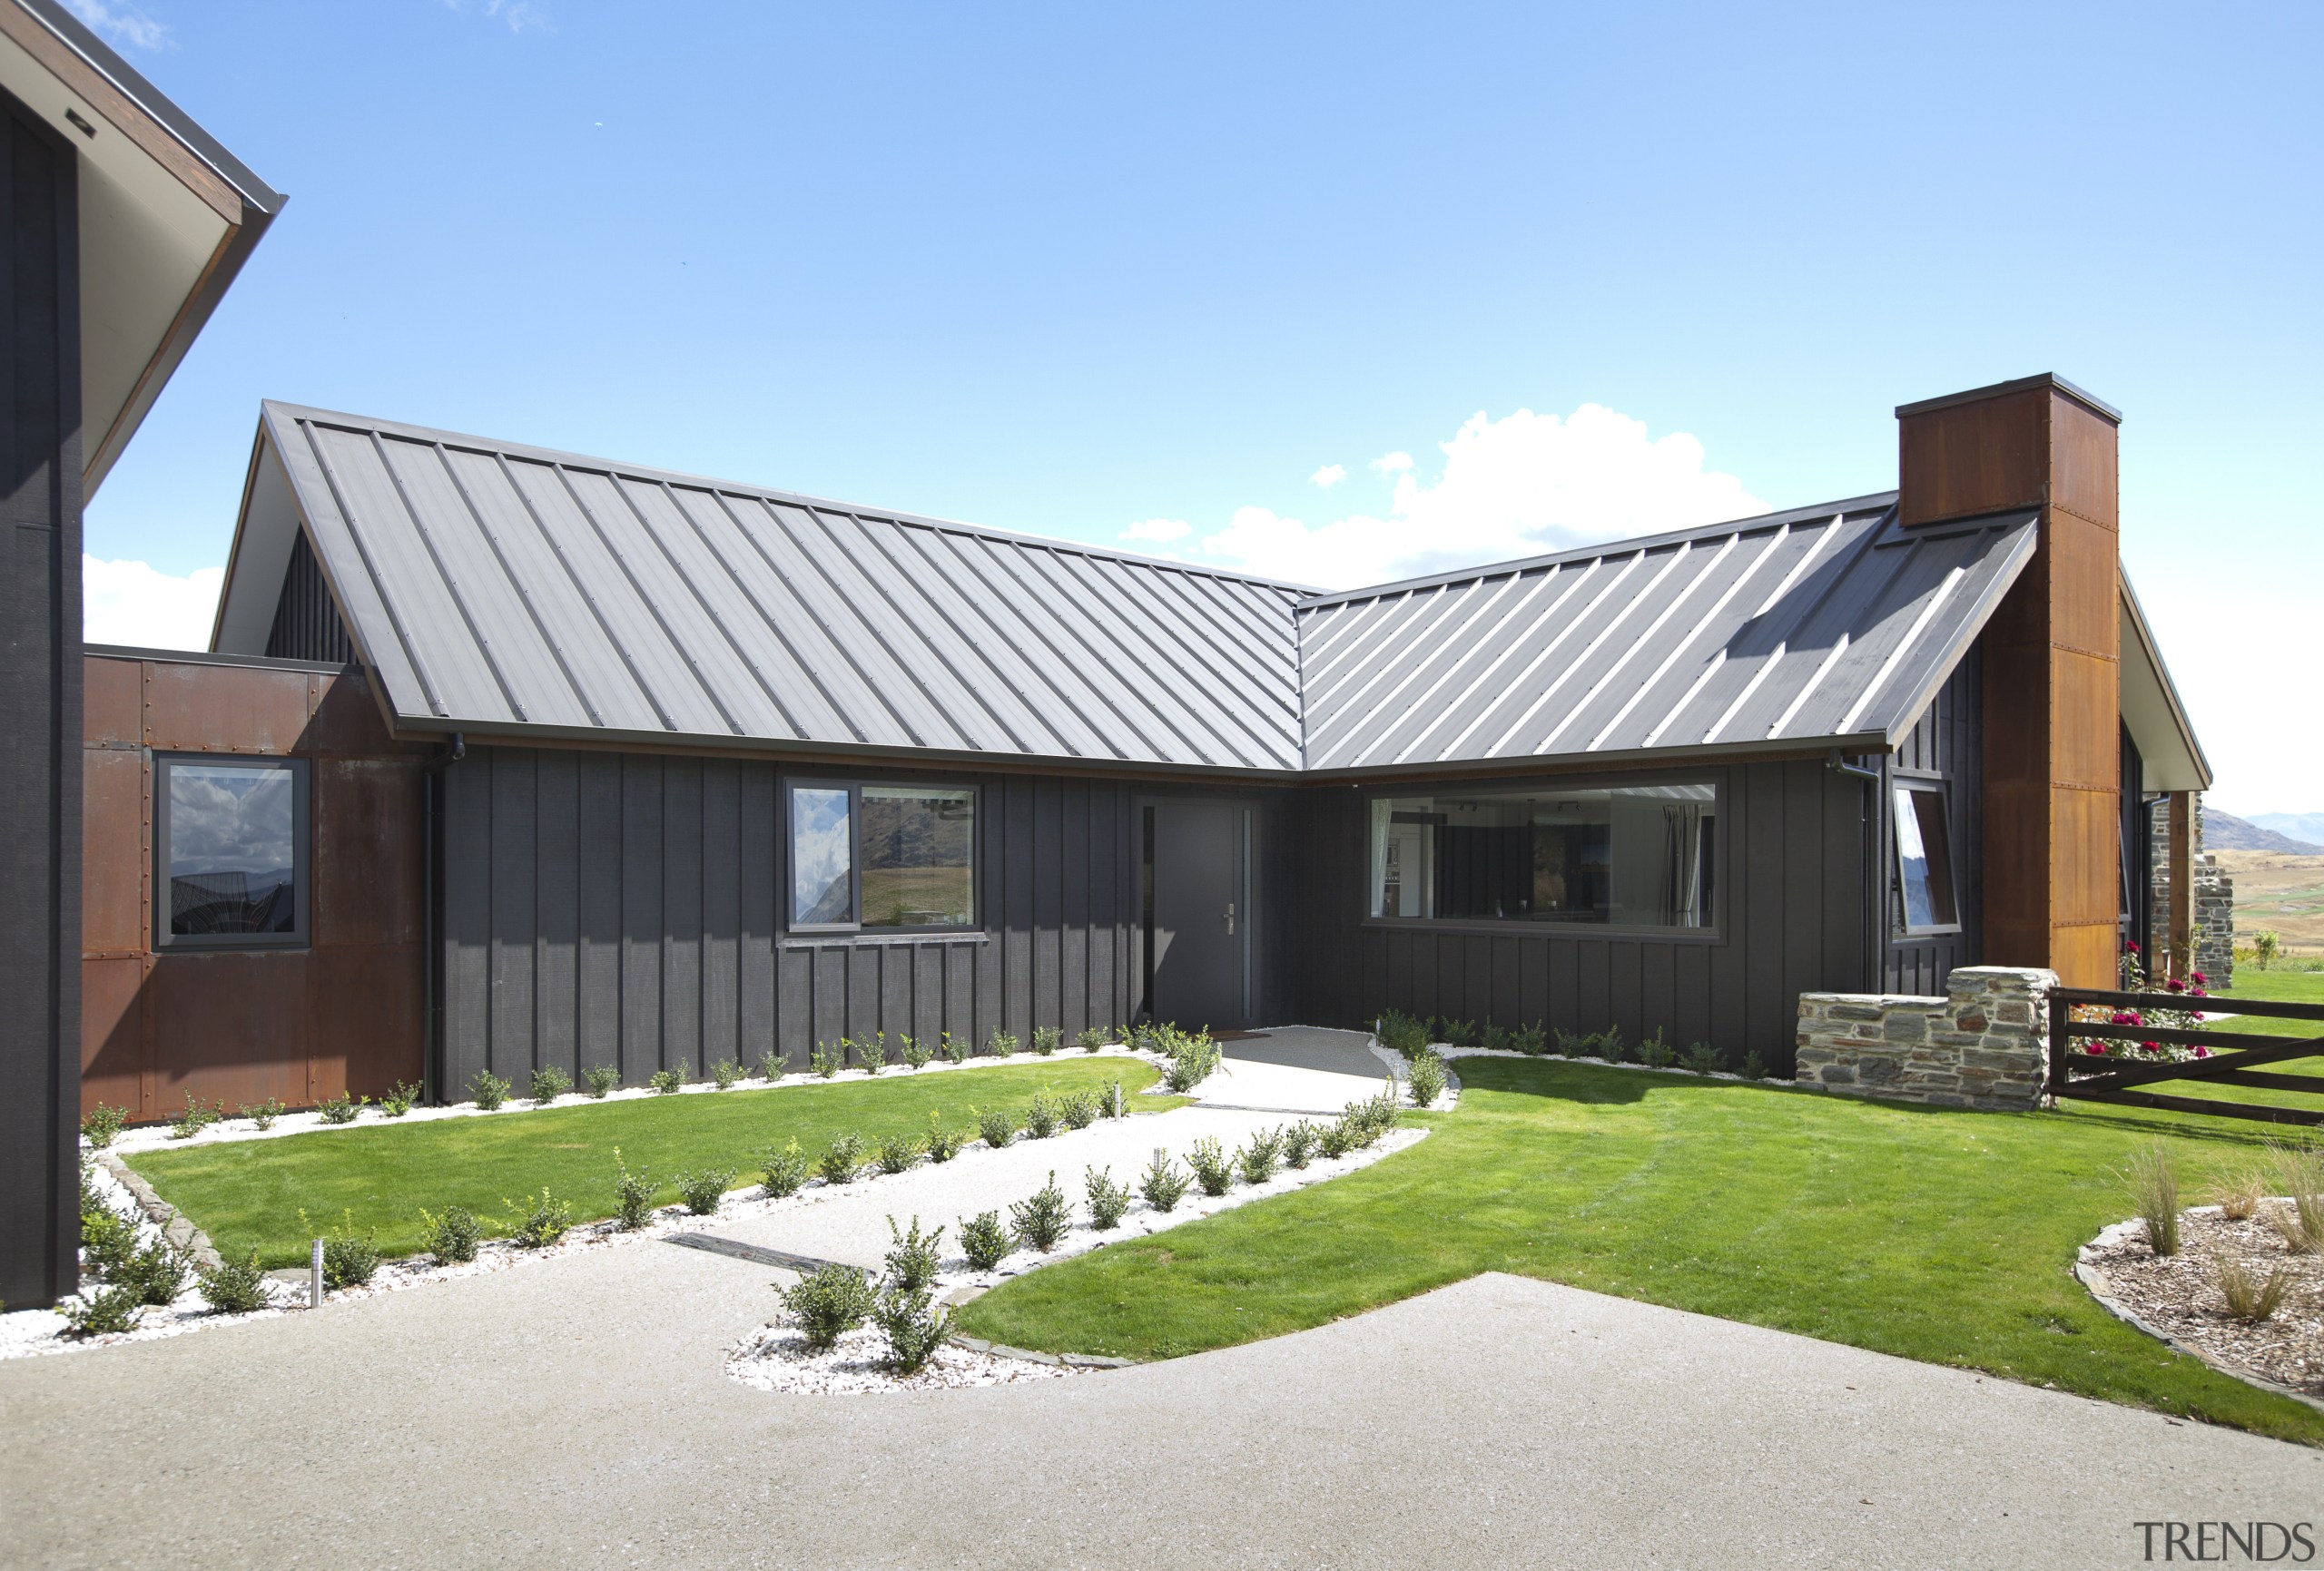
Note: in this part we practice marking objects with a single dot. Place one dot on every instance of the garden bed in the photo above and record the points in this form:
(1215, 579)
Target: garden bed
(2177, 1298)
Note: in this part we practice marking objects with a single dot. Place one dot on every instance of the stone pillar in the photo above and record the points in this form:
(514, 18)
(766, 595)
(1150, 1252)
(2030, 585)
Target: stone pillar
(1986, 1043)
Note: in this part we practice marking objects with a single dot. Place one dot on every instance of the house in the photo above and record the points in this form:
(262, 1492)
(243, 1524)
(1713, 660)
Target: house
(506, 758)
(125, 225)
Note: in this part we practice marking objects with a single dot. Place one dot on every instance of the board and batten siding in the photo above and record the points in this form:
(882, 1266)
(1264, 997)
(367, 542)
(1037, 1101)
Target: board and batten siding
(1792, 917)
(624, 908)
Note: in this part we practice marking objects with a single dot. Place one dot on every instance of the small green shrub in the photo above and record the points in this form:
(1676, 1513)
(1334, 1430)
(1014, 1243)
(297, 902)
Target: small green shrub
(1192, 1060)
(262, 1115)
(1000, 1044)
(1458, 1032)
(1425, 1078)
(1572, 1044)
(823, 1063)
(1338, 1138)
(196, 1118)
(399, 1100)
(488, 1090)
(725, 1073)
(342, 1108)
(2153, 1184)
(956, 1048)
(600, 1078)
(770, 1066)
(872, 1051)
(1108, 1200)
(1701, 1058)
(1256, 1161)
(156, 1273)
(1531, 1040)
(100, 1123)
(914, 1325)
(1164, 1183)
(942, 1144)
(667, 1082)
(349, 1258)
(782, 1172)
(106, 1312)
(1042, 1221)
(900, 1153)
(985, 1241)
(1400, 1033)
(916, 1052)
(913, 1260)
(1299, 1142)
(828, 1303)
(108, 1240)
(1089, 1039)
(703, 1191)
(633, 1194)
(1754, 1066)
(537, 1221)
(1492, 1037)
(1213, 1170)
(841, 1160)
(1609, 1046)
(234, 1287)
(1043, 1118)
(549, 1084)
(453, 1236)
(998, 1127)
(1657, 1054)
(1047, 1039)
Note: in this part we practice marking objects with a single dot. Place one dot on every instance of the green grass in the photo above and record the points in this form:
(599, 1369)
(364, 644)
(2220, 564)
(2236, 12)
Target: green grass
(1934, 1234)
(2275, 987)
(248, 1194)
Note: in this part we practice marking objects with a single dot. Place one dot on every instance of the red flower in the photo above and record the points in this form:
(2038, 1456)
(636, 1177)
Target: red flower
(2175, 984)
(2198, 978)
(2132, 945)
(2203, 1051)
(2095, 1049)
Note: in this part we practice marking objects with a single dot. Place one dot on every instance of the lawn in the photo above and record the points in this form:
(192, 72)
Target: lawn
(248, 1194)
(1941, 1235)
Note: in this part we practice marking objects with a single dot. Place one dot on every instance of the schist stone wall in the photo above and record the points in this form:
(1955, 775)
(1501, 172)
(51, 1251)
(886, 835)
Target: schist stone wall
(2214, 904)
(1984, 1045)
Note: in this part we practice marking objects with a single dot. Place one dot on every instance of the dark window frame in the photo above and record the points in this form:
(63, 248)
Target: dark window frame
(1941, 787)
(855, 926)
(1713, 931)
(301, 935)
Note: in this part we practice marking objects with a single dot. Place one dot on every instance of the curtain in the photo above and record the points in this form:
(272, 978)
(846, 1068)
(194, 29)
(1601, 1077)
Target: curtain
(1682, 866)
(1380, 808)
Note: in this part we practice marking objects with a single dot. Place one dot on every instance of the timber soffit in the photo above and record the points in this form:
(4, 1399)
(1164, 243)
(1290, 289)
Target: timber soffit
(496, 588)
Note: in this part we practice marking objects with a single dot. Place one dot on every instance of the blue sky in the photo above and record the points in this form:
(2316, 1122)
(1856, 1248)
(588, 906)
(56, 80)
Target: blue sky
(1077, 271)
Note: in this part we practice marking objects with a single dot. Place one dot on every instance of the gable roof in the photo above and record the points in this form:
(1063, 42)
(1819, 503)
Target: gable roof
(494, 588)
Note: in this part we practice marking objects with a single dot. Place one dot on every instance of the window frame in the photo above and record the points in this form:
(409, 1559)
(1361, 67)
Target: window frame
(856, 927)
(1712, 931)
(1940, 788)
(300, 935)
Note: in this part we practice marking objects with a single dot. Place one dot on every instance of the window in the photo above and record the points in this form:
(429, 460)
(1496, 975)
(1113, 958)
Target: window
(900, 857)
(1615, 855)
(1924, 902)
(232, 843)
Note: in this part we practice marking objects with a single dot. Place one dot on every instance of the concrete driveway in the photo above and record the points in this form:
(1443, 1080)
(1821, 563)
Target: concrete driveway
(574, 1414)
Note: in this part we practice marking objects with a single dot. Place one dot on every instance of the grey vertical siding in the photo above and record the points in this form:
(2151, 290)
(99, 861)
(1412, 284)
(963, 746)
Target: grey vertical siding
(1791, 886)
(622, 909)
(1947, 743)
(307, 626)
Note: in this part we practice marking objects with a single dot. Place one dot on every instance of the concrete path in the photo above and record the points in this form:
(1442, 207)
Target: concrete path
(1301, 1069)
(574, 1414)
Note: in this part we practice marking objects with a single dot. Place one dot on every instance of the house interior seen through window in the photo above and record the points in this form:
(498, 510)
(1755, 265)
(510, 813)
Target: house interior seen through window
(233, 851)
(882, 856)
(1924, 898)
(1622, 856)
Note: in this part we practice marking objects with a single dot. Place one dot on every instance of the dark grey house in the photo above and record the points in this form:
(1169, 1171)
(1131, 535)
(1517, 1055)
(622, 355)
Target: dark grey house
(715, 770)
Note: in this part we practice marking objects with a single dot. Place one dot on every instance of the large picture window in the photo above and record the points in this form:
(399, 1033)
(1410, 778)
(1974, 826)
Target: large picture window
(232, 844)
(896, 857)
(1923, 889)
(1612, 856)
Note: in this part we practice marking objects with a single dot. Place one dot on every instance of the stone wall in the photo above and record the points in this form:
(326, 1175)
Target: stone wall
(2214, 904)
(1985, 1045)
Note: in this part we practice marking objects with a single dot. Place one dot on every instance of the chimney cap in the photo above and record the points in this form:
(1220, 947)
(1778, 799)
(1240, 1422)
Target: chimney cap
(2096, 404)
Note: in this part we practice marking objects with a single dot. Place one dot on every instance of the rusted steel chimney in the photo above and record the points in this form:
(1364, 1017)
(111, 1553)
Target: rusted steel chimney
(2053, 658)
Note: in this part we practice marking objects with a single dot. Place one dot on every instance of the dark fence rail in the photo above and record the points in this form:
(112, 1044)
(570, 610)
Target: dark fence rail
(2235, 1058)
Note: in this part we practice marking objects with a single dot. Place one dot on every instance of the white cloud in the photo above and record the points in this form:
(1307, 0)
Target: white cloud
(1329, 476)
(121, 24)
(1520, 485)
(519, 14)
(130, 603)
(1161, 529)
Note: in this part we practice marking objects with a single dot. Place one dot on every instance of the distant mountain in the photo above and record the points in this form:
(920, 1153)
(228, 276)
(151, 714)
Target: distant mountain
(2226, 832)
(2308, 827)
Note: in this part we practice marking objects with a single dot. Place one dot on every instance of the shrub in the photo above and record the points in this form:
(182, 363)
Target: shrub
(2249, 1295)
(1460, 1033)
(872, 1051)
(2153, 1183)
(783, 1171)
(1299, 1143)
(913, 1326)
(234, 1287)
(1120, 1033)
(600, 1078)
(667, 1082)
(1701, 1058)
(399, 1100)
(1043, 1220)
(1192, 1059)
(1572, 1044)
(108, 1240)
(1338, 1138)
(156, 1273)
(1492, 1037)
(262, 1115)
(1256, 1161)
(2300, 1175)
(1042, 1118)
(703, 1191)
(1000, 1044)
(1754, 1066)
(1531, 1040)
(1608, 1045)
(1047, 1039)
(538, 1220)
(842, 1159)
(985, 1241)
(900, 1153)
(100, 1123)
(196, 1118)
(770, 1066)
(957, 1050)
(725, 1073)
(828, 1303)
(1164, 1183)
(916, 1054)
(1657, 1054)
(1079, 1110)
(823, 1062)
(1400, 1033)
(1108, 1200)
(549, 1084)
(102, 1313)
(349, 1258)
(342, 1108)
(1089, 1039)
(913, 1263)
(488, 1090)
(453, 1236)
(1212, 1169)
(942, 1144)
(1425, 1078)
(997, 1127)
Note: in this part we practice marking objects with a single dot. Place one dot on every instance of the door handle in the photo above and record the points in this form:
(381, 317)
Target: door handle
(1230, 918)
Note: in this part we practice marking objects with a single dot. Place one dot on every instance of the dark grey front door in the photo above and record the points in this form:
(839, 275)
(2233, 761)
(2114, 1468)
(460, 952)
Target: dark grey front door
(1202, 907)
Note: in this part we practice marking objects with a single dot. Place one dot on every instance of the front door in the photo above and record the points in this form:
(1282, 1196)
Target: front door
(1199, 857)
